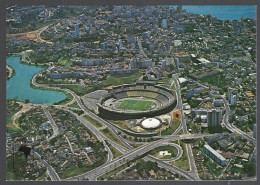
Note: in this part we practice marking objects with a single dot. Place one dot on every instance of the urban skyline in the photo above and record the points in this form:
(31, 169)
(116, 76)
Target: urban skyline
(129, 93)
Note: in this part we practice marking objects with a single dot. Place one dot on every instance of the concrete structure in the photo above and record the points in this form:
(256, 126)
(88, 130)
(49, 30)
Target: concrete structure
(218, 103)
(131, 39)
(233, 100)
(231, 92)
(163, 62)
(150, 123)
(144, 63)
(93, 62)
(146, 35)
(189, 93)
(214, 118)
(214, 155)
(177, 62)
(123, 71)
(132, 64)
(120, 45)
(163, 97)
(164, 153)
(75, 33)
(164, 23)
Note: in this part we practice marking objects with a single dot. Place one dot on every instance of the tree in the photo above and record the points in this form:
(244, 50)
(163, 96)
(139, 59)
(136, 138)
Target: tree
(26, 101)
(250, 169)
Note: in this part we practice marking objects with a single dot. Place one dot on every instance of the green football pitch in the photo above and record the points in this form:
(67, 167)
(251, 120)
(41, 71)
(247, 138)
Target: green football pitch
(139, 105)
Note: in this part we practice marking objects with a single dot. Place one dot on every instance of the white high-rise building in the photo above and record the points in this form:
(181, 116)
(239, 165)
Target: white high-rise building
(177, 62)
(76, 31)
(120, 44)
(163, 62)
(233, 100)
(164, 23)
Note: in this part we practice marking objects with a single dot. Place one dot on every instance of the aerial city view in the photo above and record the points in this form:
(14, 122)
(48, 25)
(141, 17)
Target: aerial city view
(131, 93)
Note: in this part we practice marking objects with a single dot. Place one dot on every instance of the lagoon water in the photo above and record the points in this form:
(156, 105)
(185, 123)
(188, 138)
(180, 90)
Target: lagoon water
(19, 85)
(223, 12)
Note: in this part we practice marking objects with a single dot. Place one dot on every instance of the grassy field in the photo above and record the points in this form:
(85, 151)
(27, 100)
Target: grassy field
(74, 105)
(175, 124)
(118, 80)
(183, 162)
(166, 80)
(82, 90)
(170, 149)
(216, 80)
(119, 123)
(65, 62)
(115, 152)
(74, 170)
(12, 108)
(66, 100)
(111, 136)
(93, 121)
(138, 105)
(16, 174)
(109, 174)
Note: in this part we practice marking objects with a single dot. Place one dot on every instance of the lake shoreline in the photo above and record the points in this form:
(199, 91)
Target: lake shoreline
(18, 87)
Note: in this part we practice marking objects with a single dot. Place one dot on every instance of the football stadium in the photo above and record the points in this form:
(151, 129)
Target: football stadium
(134, 101)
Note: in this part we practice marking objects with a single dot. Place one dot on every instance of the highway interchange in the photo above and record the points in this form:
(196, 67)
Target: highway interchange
(129, 152)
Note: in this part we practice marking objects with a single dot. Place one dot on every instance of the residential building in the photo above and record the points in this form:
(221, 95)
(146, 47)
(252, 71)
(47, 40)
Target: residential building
(214, 155)
(214, 118)
(164, 23)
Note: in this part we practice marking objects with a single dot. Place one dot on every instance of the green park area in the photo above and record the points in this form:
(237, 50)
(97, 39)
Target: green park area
(113, 80)
(15, 171)
(174, 125)
(218, 80)
(11, 108)
(111, 136)
(138, 105)
(116, 153)
(170, 149)
(65, 62)
(79, 168)
(120, 123)
(119, 80)
(93, 121)
(74, 168)
(109, 174)
(74, 105)
(183, 162)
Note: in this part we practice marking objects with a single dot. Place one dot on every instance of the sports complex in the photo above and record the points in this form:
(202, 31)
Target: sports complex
(137, 101)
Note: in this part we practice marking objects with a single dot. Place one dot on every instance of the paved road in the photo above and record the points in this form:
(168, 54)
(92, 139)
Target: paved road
(98, 133)
(67, 139)
(171, 168)
(132, 154)
(127, 154)
(179, 154)
(141, 48)
(228, 125)
(193, 167)
(53, 175)
(232, 128)
(53, 124)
